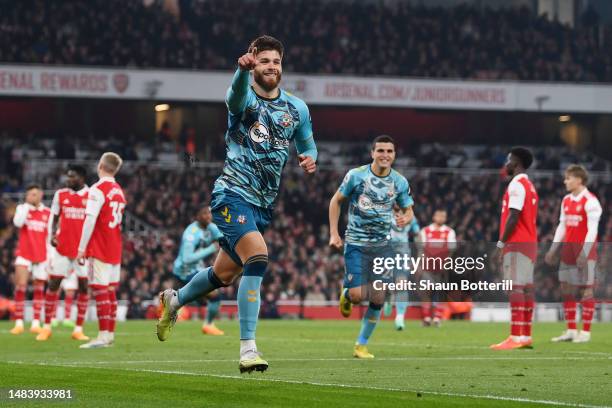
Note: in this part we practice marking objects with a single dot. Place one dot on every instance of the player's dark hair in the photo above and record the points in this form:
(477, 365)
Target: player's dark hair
(33, 187)
(202, 207)
(440, 209)
(579, 171)
(524, 155)
(267, 43)
(79, 170)
(382, 139)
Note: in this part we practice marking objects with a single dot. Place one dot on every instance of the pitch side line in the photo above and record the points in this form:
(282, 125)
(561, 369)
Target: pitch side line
(331, 385)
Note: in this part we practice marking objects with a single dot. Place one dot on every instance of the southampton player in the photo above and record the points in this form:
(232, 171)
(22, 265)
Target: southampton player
(68, 210)
(438, 240)
(263, 120)
(31, 255)
(101, 243)
(577, 236)
(199, 241)
(517, 247)
(372, 191)
(400, 241)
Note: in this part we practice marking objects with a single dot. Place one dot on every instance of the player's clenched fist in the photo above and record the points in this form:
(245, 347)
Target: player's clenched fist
(307, 163)
(335, 241)
(248, 61)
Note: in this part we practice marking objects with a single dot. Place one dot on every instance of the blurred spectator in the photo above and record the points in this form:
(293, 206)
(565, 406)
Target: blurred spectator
(396, 38)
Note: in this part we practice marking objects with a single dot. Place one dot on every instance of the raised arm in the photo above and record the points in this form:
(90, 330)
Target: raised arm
(236, 98)
(21, 214)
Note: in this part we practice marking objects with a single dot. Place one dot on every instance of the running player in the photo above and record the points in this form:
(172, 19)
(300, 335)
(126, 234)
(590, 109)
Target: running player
(372, 191)
(517, 247)
(31, 255)
(438, 240)
(101, 243)
(400, 240)
(199, 241)
(263, 120)
(68, 210)
(577, 236)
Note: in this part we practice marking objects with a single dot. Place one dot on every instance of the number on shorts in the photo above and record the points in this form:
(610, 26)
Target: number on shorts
(117, 208)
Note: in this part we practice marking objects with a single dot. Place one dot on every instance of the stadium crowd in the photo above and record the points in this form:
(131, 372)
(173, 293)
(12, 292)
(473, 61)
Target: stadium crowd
(302, 266)
(360, 38)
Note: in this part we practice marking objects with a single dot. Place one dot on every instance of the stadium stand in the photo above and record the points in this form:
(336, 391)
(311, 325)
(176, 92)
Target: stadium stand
(465, 41)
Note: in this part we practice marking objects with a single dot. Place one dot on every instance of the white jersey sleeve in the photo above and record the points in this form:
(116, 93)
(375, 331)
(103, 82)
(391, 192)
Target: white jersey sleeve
(95, 201)
(593, 210)
(21, 214)
(516, 195)
(55, 205)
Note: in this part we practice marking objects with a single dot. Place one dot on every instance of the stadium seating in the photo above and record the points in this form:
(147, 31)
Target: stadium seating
(325, 37)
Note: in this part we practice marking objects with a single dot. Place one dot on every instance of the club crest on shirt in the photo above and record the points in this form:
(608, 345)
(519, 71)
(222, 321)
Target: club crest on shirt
(579, 207)
(242, 219)
(285, 120)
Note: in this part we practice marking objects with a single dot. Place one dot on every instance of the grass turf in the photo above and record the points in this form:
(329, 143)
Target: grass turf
(311, 365)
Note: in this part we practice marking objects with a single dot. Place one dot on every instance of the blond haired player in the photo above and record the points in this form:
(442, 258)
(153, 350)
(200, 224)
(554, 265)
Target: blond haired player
(577, 236)
(101, 243)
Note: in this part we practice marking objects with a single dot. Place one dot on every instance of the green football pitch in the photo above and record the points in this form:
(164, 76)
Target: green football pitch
(311, 365)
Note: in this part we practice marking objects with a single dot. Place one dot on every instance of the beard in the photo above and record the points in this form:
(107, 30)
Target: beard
(267, 83)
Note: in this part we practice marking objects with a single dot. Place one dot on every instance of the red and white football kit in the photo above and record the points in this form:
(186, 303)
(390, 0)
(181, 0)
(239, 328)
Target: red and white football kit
(69, 205)
(520, 250)
(103, 246)
(31, 250)
(107, 203)
(578, 224)
(438, 242)
(519, 256)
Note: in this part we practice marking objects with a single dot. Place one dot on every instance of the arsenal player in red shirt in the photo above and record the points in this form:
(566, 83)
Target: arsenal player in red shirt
(577, 236)
(101, 244)
(68, 207)
(438, 240)
(31, 255)
(517, 247)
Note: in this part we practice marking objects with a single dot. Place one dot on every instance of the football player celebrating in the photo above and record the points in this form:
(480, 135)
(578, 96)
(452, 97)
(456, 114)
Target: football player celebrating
(263, 120)
(372, 191)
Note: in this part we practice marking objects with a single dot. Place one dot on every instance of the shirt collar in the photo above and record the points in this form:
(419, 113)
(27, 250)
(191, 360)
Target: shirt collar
(579, 196)
(107, 179)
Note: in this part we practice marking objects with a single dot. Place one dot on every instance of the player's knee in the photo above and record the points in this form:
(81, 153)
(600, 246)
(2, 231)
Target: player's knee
(54, 284)
(83, 286)
(356, 295)
(256, 265)
(586, 293)
(223, 277)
